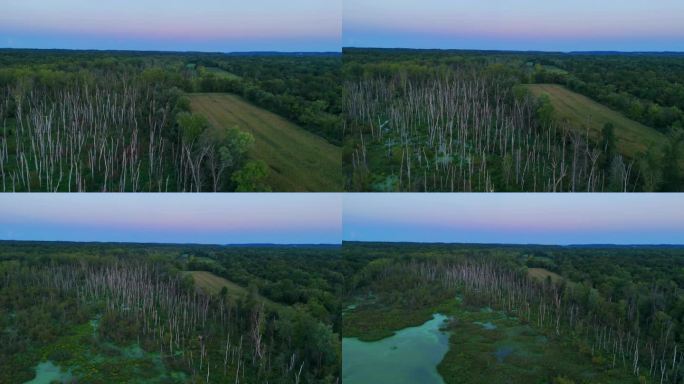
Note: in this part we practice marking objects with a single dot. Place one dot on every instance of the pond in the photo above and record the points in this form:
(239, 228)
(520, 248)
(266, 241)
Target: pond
(411, 355)
(47, 373)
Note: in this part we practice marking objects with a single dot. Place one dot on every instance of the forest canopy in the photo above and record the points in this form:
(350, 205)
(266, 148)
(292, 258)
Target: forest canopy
(124, 312)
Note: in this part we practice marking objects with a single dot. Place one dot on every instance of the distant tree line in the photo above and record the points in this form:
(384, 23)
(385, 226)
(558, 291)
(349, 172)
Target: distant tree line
(303, 89)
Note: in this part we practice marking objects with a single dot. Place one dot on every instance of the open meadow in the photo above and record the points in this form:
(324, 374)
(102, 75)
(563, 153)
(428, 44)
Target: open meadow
(298, 160)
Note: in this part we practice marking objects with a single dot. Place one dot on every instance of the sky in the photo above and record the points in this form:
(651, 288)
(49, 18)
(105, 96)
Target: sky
(172, 25)
(545, 25)
(173, 218)
(560, 219)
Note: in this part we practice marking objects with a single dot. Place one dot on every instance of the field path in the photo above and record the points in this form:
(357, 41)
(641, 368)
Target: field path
(299, 161)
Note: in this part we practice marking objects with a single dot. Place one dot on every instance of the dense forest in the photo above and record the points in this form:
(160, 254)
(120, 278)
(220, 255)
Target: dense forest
(427, 120)
(622, 307)
(135, 313)
(121, 121)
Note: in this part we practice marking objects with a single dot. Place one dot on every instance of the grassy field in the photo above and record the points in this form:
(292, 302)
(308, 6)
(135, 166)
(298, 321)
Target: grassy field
(213, 284)
(218, 72)
(631, 137)
(299, 161)
(542, 274)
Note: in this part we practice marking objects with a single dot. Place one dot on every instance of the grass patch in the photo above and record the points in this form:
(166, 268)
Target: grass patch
(220, 73)
(543, 274)
(554, 69)
(213, 284)
(632, 138)
(299, 161)
(369, 323)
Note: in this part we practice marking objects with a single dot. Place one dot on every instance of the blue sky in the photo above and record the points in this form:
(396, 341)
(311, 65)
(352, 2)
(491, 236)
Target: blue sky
(578, 25)
(308, 218)
(515, 218)
(173, 218)
(326, 25)
(176, 25)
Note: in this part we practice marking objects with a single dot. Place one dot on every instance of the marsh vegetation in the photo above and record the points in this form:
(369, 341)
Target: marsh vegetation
(612, 314)
(102, 313)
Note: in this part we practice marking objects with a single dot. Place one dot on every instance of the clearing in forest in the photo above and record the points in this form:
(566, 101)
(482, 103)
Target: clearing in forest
(299, 161)
(631, 137)
(218, 72)
(213, 284)
(542, 274)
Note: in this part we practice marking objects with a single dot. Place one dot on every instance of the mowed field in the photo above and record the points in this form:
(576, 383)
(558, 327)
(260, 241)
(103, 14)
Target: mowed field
(213, 284)
(299, 161)
(542, 274)
(632, 138)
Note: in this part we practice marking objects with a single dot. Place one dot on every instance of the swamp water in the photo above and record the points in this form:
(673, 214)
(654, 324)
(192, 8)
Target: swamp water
(411, 355)
(47, 373)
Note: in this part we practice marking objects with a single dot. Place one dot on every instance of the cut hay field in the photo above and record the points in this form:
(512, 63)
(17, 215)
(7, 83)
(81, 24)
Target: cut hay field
(631, 137)
(299, 161)
(213, 284)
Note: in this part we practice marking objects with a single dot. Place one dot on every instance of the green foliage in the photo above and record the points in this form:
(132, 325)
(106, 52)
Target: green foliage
(393, 286)
(98, 340)
(562, 380)
(545, 110)
(192, 125)
(251, 178)
(671, 165)
(304, 89)
(608, 145)
(381, 82)
(142, 100)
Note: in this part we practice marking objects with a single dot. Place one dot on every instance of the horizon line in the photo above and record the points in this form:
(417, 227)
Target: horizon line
(164, 243)
(163, 50)
(505, 50)
(348, 241)
(521, 244)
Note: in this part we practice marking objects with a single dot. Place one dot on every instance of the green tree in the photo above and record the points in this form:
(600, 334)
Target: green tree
(191, 125)
(251, 178)
(650, 169)
(671, 173)
(608, 145)
(545, 110)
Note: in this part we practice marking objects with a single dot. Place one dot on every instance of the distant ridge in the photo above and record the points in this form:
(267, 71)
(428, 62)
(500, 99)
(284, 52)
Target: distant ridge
(270, 245)
(508, 245)
(625, 246)
(170, 53)
(245, 245)
(533, 52)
